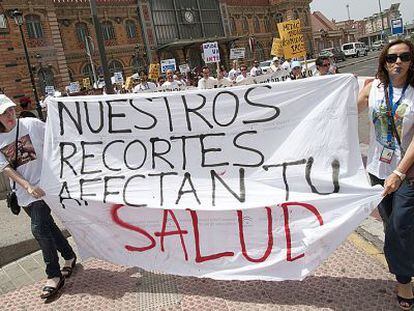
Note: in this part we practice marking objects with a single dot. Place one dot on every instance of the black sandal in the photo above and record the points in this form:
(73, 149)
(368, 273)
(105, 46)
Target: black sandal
(67, 271)
(405, 303)
(50, 291)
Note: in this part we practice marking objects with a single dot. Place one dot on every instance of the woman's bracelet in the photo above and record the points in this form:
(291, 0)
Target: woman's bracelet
(399, 174)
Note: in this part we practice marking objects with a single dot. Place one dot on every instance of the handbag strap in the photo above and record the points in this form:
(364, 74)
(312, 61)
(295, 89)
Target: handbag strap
(14, 165)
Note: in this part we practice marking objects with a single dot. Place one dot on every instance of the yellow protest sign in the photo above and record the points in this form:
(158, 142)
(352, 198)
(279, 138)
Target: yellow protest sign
(277, 47)
(86, 83)
(154, 71)
(128, 83)
(292, 39)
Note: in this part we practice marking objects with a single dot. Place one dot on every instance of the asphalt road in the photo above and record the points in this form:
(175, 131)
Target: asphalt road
(365, 67)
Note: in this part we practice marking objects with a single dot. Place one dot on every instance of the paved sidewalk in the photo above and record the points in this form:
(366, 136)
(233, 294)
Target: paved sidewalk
(351, 279)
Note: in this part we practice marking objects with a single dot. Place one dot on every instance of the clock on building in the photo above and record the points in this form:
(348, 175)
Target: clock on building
(189, 16)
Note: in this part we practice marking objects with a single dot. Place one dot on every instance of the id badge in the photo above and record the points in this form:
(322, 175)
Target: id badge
(386, 155)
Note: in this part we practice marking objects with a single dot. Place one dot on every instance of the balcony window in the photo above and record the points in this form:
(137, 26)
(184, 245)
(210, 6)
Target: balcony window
(34, 27)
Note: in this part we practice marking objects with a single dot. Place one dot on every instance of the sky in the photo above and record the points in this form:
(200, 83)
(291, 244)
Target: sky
(336, 9)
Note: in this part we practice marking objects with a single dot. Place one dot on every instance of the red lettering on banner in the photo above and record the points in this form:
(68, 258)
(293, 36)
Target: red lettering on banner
(269, 237)
(164, 233)
(199, 257)
(123, 224)
(285, 206)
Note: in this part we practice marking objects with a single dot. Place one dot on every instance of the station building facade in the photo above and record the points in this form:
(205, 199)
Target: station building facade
(135, 33)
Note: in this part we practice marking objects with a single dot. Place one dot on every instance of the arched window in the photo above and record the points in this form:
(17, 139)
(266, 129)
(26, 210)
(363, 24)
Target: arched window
(70, 72)
(295, 14)
(232, 25)
(131, 29)
(87, 72)
(81, 32)
(245, 24)
(108, 30)
(3, 20)
(256, 24)
(115, 66)
(260, 53)
(278, 18)
(138, 64)
(45, 78)
(268, 26)
(34, 26)
(306, 13)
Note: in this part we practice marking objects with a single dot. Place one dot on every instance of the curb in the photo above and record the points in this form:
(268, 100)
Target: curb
(357, 61)
(21, 249)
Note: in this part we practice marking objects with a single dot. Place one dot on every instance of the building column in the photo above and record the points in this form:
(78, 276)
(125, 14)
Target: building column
(63, 72)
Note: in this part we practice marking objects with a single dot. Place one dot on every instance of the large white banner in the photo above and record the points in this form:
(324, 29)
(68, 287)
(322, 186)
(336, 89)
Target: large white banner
(250, 182)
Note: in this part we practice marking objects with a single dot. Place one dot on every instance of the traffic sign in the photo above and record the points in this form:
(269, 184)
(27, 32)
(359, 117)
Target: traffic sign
(397, 27)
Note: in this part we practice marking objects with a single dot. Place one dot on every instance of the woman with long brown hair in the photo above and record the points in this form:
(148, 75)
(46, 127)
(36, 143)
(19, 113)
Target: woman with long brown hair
(390, 98)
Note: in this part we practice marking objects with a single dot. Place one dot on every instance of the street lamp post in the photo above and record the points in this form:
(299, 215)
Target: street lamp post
(18, 18)
(101, 48)
(382, 20)
(349, 14)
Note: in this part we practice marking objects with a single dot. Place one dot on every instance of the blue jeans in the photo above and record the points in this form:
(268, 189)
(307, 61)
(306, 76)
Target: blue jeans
(49, 237)
(397, 213)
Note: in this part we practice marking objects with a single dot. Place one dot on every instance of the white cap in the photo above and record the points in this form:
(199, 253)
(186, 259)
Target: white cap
(5, 103)
(275, 59)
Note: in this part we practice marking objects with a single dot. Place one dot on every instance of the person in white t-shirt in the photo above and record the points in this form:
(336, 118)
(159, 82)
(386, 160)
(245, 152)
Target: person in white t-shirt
(235, 71)
(145, 85)
(275, 66)
(26, 175)
(170, 83)
(256, 70)
(207, 82)
(243, 74)
(286, 65)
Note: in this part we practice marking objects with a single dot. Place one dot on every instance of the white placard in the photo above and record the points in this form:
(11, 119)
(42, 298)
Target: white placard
(253, 182)
(74, 87)
(168, 64)
(237, 53)
(184, 68)
(49, 90)
(118, 77)
(211, 52)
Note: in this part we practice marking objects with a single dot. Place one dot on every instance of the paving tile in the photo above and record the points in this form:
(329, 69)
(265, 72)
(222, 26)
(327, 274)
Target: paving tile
(13, 270)
(38, 274)
(21, 280)
(3, 276)
(6, 287)
(350, 279)
(28, 264)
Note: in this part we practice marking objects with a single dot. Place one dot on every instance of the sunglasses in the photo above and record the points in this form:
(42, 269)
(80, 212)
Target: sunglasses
(392, 58)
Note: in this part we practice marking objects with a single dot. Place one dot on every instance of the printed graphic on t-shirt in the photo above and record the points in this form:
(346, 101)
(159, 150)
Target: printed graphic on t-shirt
(380, 119)
(25, 151)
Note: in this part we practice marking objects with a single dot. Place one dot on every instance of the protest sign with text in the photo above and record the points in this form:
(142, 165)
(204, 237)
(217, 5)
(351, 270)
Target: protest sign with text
(293, 41)
(74, 87)
(252, 182)
(154, 71)
(237, 53)
(168, 64)
(211, 52)
(277, 47)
